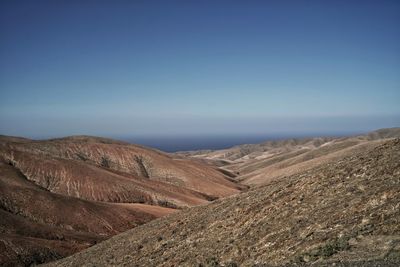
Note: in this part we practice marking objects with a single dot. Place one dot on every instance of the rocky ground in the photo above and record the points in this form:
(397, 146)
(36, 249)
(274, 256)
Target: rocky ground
(345, 212)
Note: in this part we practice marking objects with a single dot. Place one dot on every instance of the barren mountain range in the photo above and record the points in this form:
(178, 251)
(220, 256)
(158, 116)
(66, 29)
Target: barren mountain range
(257, 164)
(315, 201)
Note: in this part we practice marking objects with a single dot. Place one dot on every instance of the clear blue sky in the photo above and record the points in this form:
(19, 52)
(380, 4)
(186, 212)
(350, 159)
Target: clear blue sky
(135, 68)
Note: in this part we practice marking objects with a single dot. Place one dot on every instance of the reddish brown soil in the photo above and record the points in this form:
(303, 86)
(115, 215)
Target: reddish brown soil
(60, 196)
(343, 213)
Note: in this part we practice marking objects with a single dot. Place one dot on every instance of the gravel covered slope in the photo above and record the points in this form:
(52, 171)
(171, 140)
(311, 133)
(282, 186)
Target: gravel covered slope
(344, 212)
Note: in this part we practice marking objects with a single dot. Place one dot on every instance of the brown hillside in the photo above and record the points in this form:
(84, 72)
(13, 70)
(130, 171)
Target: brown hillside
(105, 170)
(37, 225)
(258, 164)
(60, 196)
(344, 212)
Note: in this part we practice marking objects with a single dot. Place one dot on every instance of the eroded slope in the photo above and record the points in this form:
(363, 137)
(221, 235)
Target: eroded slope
(346, 211)
(37, 225)
(60, 196)
(258, 164)
(106, 170)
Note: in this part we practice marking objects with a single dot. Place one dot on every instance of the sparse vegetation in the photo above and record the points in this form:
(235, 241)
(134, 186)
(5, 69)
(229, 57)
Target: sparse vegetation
(166, 204)
(141, 162)
(105, 162)
(231, 264)
(326, 250)
(141, 198)
(209, 198)
(212, 262)
(82, 156)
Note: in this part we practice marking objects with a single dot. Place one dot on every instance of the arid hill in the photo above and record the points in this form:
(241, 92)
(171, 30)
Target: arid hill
(60, 196)
(258, 164)
(341, 213)
(37, 225)
(105, 170)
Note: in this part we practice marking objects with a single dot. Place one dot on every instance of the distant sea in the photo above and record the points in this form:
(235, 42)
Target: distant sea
(174, 144)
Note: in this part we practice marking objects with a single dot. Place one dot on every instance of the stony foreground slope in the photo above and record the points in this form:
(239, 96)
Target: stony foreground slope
(60, 196)
(345, 212)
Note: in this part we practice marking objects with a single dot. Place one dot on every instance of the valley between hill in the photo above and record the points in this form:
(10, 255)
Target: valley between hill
(314, 201)
(345, 212)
